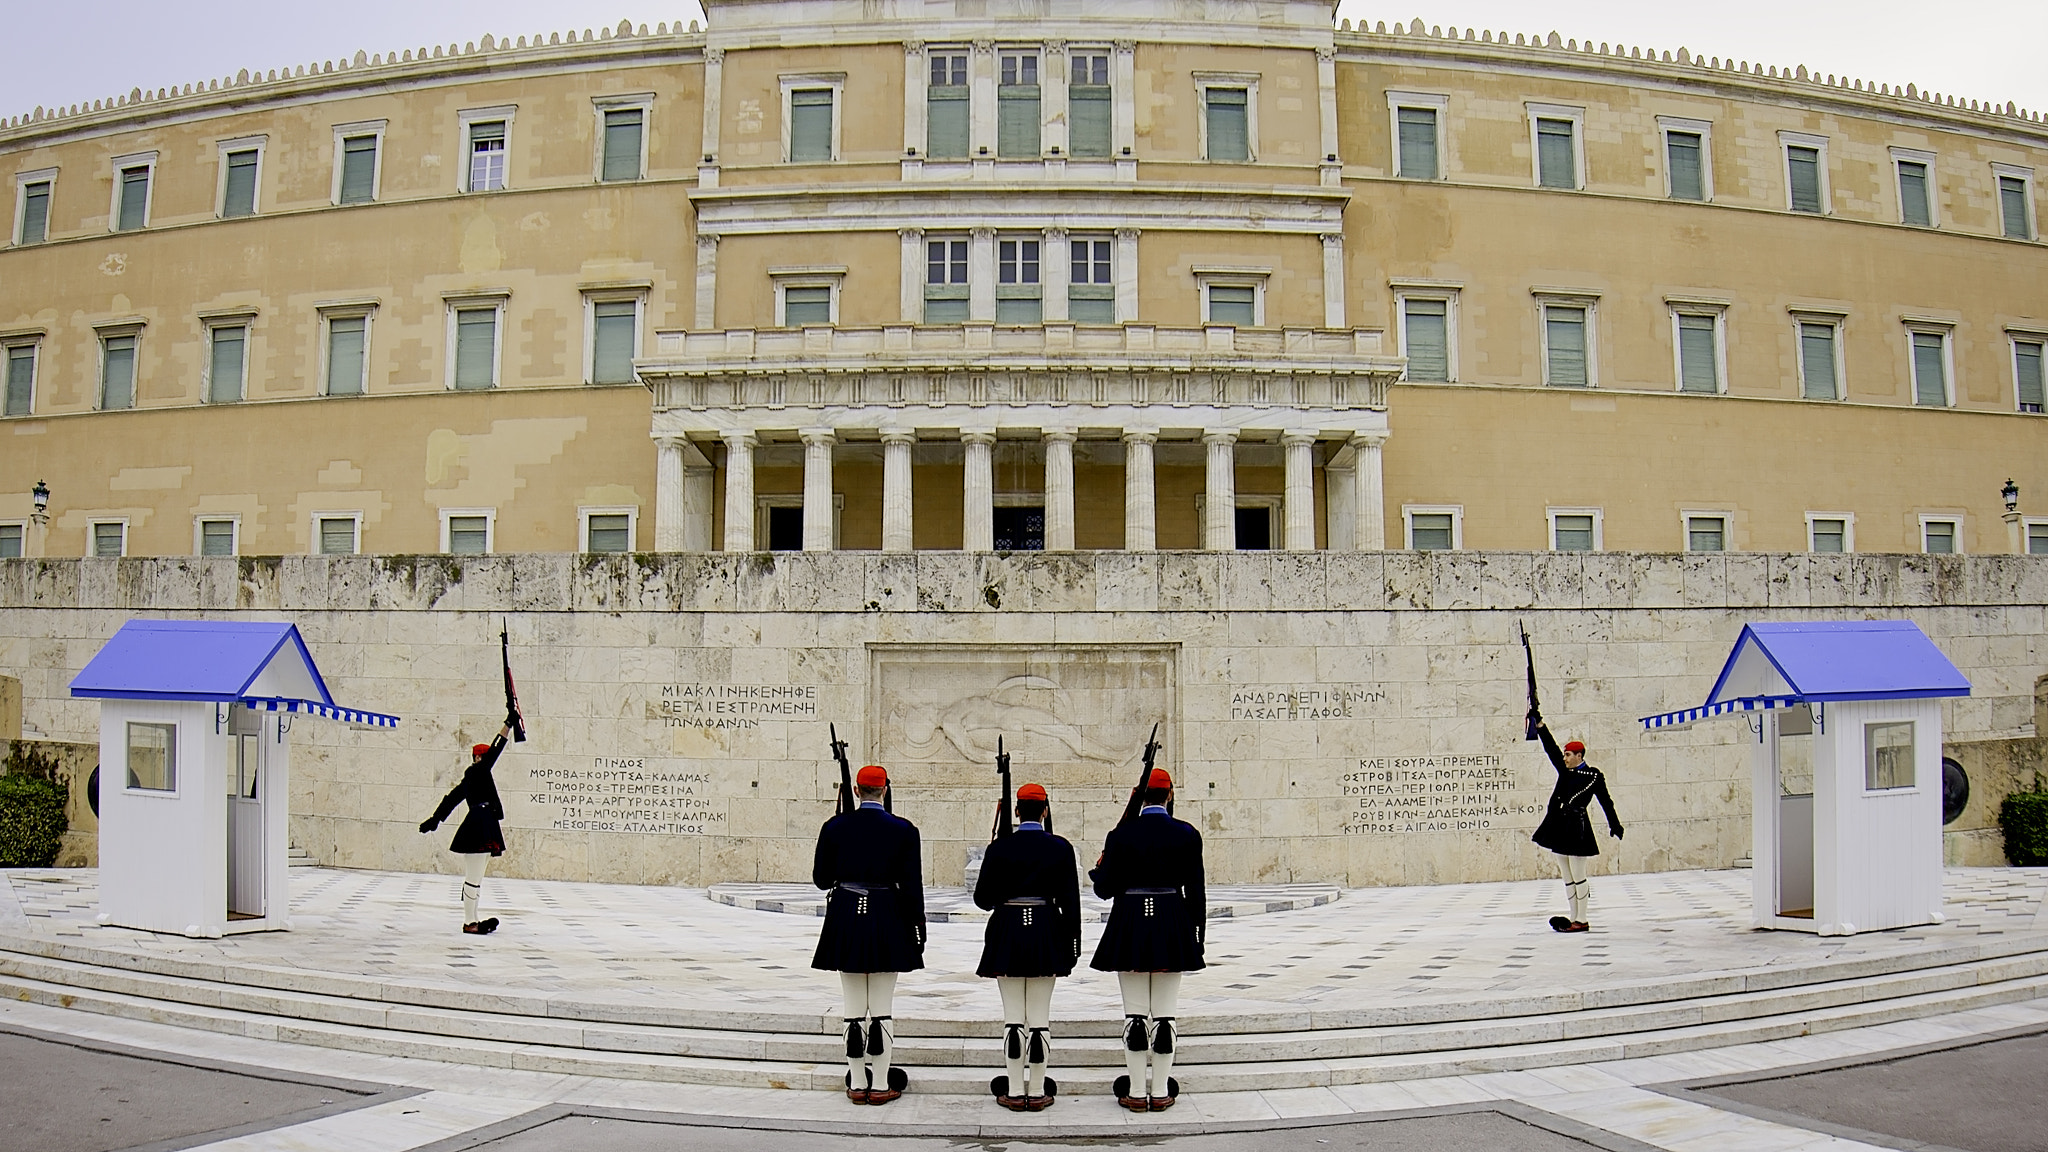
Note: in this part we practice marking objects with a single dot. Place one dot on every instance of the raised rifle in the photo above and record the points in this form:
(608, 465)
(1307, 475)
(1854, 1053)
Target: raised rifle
(1535, 716)
(512, 714)
(1137, 801)
(1003, 826)
(846, 801)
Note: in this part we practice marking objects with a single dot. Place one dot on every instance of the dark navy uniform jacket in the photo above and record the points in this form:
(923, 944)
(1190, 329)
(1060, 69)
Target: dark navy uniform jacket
(1152, 869)
(1030, 940)
(480, 830)
(874, 920)
(1565, 829)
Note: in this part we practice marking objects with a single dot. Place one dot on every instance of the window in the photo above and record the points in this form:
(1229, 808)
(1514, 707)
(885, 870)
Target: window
(1088, 104)
(1019, 527)
(348, 351)
(1888, 755)
(608, 529)
(1426, 338)
(1235, 304)
(1255, 527)
(337, 534)
(2026, 376)
(1091, 282)
(2037, 538)
(2015, 201)
(357, 148)
(153, 757)
(1930, 367)
(466, 533)
(1940, 535)
(131, 191)
(622, 137)
(215, 535)
(1418, 119)
(1575, 530)
(1688, 168)
(21, 379)
(1830, 532)
(785, 522)
(614, 339)
(240, 164)
(1434, 529)
(1697, 338)
(1706, 533)
(117, 370)
(11, 536)
(1915, 171)
(1567, 342)
(807, 295)
(948, 101)
(812, 135)
(32, 205)
(1806, 180)
(945, 281)
(1018, 294)
(226, 362)
(1017, 117)
(486, 141)
(1820, 361)
(1554, 138)
(1227, 106)
(109, 538)
(473, 351)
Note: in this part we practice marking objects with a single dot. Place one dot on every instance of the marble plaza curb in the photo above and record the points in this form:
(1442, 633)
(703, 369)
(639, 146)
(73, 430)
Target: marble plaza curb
(956, 905)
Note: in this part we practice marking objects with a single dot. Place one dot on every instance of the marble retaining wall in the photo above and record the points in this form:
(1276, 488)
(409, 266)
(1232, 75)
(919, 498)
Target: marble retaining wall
(1353, 717)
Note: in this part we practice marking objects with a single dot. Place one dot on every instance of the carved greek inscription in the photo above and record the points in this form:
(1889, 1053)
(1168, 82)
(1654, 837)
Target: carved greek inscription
(733, 705)
(1401, 794)
(1296, 702)
(624, 794)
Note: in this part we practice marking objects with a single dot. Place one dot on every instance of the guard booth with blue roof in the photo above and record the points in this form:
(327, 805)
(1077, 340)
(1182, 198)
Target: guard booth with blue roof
(196, 773)
(1846, 770)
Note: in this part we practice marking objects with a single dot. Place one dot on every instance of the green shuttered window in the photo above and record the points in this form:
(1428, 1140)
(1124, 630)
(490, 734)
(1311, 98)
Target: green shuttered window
(358, 169)
(110, 541)
(1565, 331)
(1556, 154)
(337, 535)
(612, 340)
(945, 282)
(225, 364)
(1017, 118)
(1088, 107)
(622, 129)
(476, 347)
(238, 192)
(947, 104)
(1683, 153)
(1706, 533)
(609, 532)
(1574, 532)
(1930, 369)
(347, 343)
(2026, 371)
(1417, 160)
(810, 125)
(21, 379)
(1802, 166)
(1830, 535)
(117, 372)
(1913, 203)
(2012, 208)
(10, 541)
(1236, 304)
(1698, 370)
(806, 304)
(469, 535)
(1431, 531)
(1817, 371)
(1938, 537)
(134, 210)
(1427, 339)
(1229, 111)
(35, 212)
(216, 537)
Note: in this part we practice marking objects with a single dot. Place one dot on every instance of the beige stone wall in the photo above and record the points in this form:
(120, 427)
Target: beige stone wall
(1414, 656)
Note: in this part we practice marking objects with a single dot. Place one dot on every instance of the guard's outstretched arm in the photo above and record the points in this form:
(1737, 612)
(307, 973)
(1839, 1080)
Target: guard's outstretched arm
(1607, 806)
(447, 805)
(1550, 747)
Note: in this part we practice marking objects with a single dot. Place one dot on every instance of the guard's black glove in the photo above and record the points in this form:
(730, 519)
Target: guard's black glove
(1614, 830)
(429, 824)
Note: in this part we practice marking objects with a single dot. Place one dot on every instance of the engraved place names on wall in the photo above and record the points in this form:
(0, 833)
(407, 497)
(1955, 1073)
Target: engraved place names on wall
(1394, 795)
(622, 794)
(733, 705)
(1297, 702)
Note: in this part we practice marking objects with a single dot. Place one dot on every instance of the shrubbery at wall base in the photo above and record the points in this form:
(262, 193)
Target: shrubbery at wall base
(32, 821)
(2024, 820)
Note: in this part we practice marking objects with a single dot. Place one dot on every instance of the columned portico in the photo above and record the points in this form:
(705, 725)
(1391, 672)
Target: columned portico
(1059, 489)
(896, 500)
(818, 489)
(1299, 497)
(1219, 531)
(739, 491)
(1141, 531)
(978, 491)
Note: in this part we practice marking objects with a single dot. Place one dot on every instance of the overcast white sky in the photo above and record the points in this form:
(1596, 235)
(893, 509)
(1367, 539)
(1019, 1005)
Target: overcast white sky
(1992, 50)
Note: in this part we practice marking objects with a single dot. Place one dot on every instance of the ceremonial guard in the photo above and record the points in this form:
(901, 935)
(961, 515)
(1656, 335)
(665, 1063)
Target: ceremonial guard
(1032, 890)
(480, 836)
(1151, 867)
(1566, 830)
(874, 927)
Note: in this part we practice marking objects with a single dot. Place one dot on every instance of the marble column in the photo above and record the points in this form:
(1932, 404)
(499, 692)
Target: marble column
(978, 494)
(1140, 522)
(1300, 505)
(1370, 535)
(1059, 489)
(981, 275)
(817, 489)
(668, 494)
(707, 281)
(696, 505)
(1220, 523)
(1333, 281)
(896, 514)
(1340, 496)
(739, 491)
(911, 296)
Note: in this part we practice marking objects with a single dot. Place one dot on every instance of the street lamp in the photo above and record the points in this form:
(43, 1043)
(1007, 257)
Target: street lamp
(41, 495)
(2011, 492)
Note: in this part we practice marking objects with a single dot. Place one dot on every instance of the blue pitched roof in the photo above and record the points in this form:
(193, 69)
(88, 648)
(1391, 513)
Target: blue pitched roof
(263, 665)
(1782, 665)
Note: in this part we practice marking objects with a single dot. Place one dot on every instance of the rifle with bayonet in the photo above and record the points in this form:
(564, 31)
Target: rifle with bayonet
(846, 800)
(1003, 826)
(512, 714)
(1535, 717)
(1137, 800)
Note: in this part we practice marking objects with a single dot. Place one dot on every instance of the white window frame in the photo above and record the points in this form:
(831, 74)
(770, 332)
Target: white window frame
(1456, 513)
(1848, 520)
(1547, 299)
(490, 516)
(1599, 525)
(38, 176)
(257, 144)
(22, 526)
(92, 533)
(1725, 515)
(1917, 156)
(1275, 509)
(234, 536)
(211, 322)
(1118, 95)
(177, 769)
(1789, 140)
(121, 164)
(764, 501)
(2027, 526)
(313, 523)
(1931, 326)
(1436, 102)
(1447, 291)
(1205, 80)
(1836, 320)
(463, 119)
(1717, 310)
(836, 81)
(101, 334)
(1231, 277)
(1912, 789)
(599, 105)
(630, 511)
(364, 310)
(472, 303)
(2014, 337)
(1704, 129)
(34, 340)
(2013, 171)
(1572, 112)
(593, 295)
(1116, 270)
(831, 277)
(342, 132)
(1952, 518)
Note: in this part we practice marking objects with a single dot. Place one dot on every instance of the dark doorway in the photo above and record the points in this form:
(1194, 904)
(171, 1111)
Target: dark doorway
(1254, 528)
(786, 529)
(1020, 529)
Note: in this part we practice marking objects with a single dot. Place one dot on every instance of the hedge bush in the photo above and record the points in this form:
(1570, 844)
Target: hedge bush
(2024, 820)
(32, 821)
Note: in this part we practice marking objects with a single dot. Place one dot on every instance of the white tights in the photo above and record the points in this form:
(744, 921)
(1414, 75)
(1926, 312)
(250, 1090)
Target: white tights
(870, 998)
(1027, 1008)
(1150, 999)
(1577, 889)
(473, 864)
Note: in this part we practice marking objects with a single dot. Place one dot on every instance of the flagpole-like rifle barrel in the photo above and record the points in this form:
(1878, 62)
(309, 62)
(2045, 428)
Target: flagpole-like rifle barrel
(1137, 800)
(1535, 716)
(512, 713)
(846, 802)
(1003, 826)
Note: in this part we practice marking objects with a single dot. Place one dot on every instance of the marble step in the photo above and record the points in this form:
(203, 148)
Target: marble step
(956, 905)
